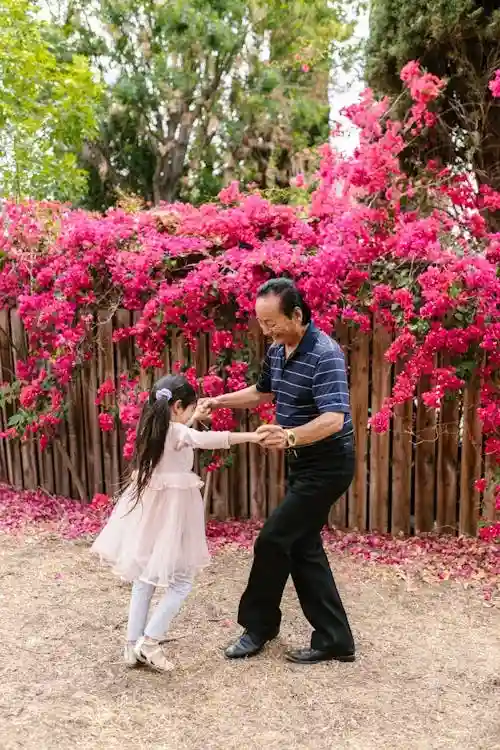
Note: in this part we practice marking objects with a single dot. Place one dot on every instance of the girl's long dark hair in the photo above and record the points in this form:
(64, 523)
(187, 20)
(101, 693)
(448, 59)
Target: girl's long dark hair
(153, 427)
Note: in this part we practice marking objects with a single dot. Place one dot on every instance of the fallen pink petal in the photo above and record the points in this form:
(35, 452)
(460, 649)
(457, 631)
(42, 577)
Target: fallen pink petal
(434, 558)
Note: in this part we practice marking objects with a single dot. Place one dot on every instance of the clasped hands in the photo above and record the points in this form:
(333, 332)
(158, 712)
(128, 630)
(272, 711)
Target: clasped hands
(272, 436)
(268, 435)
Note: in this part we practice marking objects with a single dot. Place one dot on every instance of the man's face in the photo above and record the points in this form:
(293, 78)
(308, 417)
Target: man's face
(274, 323)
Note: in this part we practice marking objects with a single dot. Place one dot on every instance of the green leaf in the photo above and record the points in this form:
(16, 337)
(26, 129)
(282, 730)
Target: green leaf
(466, 368)
(48, 108)
(16, 420)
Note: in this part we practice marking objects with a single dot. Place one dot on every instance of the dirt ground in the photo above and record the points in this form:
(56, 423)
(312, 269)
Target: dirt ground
(427, 674)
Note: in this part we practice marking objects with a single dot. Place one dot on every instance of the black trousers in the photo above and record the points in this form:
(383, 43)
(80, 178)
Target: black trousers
(290, 544)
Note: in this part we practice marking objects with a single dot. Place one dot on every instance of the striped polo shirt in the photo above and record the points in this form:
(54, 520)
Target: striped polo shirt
(312, 381)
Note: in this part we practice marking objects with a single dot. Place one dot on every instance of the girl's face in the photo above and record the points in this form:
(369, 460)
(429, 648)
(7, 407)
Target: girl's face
(179, 414)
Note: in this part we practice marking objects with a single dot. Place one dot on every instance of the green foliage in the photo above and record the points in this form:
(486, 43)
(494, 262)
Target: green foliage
(278, 100)
(439, 33)
(454, 39)
(202, 92)
(47, 108)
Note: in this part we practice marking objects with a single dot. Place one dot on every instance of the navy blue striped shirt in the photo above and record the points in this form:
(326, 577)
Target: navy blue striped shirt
(312, 381)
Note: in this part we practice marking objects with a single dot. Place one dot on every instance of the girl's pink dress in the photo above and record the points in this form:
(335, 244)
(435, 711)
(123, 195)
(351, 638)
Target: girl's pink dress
(164, 535)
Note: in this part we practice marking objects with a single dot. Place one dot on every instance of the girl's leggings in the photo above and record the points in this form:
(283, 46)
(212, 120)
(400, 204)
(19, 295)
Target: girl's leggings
(164, 612)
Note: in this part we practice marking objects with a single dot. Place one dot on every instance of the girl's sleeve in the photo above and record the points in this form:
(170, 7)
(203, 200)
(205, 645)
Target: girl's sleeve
(203, 440)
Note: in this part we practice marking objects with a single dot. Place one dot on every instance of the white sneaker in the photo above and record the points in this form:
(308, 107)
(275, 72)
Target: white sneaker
(152, 653)
(130, 658)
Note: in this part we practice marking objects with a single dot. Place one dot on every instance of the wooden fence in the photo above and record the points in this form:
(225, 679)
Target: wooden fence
(417, 477)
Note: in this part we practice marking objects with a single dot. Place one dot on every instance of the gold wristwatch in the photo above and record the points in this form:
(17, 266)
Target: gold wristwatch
(291, 439)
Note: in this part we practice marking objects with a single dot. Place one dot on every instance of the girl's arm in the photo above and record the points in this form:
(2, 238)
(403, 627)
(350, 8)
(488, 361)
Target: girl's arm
(237, 438)
(212, 440)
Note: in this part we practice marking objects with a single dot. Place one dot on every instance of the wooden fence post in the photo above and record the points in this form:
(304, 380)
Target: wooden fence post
(380, 443)
(360, 361)
(447, 466)
(402, 454)
(470, 465)
(425, 463)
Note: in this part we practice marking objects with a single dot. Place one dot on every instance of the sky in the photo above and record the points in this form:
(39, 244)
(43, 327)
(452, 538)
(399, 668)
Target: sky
(347, 92)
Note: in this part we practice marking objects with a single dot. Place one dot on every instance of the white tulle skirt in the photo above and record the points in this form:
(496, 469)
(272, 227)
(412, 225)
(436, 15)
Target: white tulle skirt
(161, 537)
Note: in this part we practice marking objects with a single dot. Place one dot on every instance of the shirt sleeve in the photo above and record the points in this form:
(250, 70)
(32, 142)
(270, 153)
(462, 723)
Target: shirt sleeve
(263, 384)
(203, 440)
(330, 388)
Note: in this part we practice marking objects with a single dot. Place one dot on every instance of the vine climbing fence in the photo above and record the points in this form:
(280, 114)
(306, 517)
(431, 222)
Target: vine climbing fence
(417, 477)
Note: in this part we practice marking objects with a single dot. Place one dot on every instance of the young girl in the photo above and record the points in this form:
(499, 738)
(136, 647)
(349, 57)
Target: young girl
(156, 533)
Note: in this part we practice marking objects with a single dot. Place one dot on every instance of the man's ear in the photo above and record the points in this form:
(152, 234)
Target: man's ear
(297, 315)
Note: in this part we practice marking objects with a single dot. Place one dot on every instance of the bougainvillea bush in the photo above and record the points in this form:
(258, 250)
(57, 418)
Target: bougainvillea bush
(413, 251)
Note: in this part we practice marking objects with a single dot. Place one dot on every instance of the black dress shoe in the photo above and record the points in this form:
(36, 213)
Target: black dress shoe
(248, 644)
(315, 655)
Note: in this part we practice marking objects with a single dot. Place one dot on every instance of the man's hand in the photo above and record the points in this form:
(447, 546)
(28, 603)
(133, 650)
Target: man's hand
(206, 406)
(202, 411)
(257, 437)
(273, 436)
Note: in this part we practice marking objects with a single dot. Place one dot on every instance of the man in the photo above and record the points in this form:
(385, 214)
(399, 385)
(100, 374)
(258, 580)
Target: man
(304, 372)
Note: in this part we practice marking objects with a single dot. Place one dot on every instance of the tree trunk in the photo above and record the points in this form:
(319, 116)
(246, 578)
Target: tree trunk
(170, 161)
(93, 155)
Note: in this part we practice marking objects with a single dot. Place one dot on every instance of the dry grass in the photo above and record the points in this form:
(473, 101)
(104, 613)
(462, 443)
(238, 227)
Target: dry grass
(427, 676)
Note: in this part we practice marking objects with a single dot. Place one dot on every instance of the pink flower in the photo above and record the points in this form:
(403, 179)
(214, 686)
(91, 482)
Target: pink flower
(490, 532)
(100, 501)
(223, 419)
(29, 396)
(266, 413)
(480, 485)
(410, 71)
(494, 84)
(106, 389)
(230, 194)
(381, 421)
(9, 434)
(129, 447)
(106, 422)
(213, 385)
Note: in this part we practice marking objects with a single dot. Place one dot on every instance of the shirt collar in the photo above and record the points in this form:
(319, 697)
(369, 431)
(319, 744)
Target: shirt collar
(307, 342)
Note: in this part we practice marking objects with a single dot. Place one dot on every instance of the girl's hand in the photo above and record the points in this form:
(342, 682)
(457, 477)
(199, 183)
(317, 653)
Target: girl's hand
(257, 437)
(202, 412)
